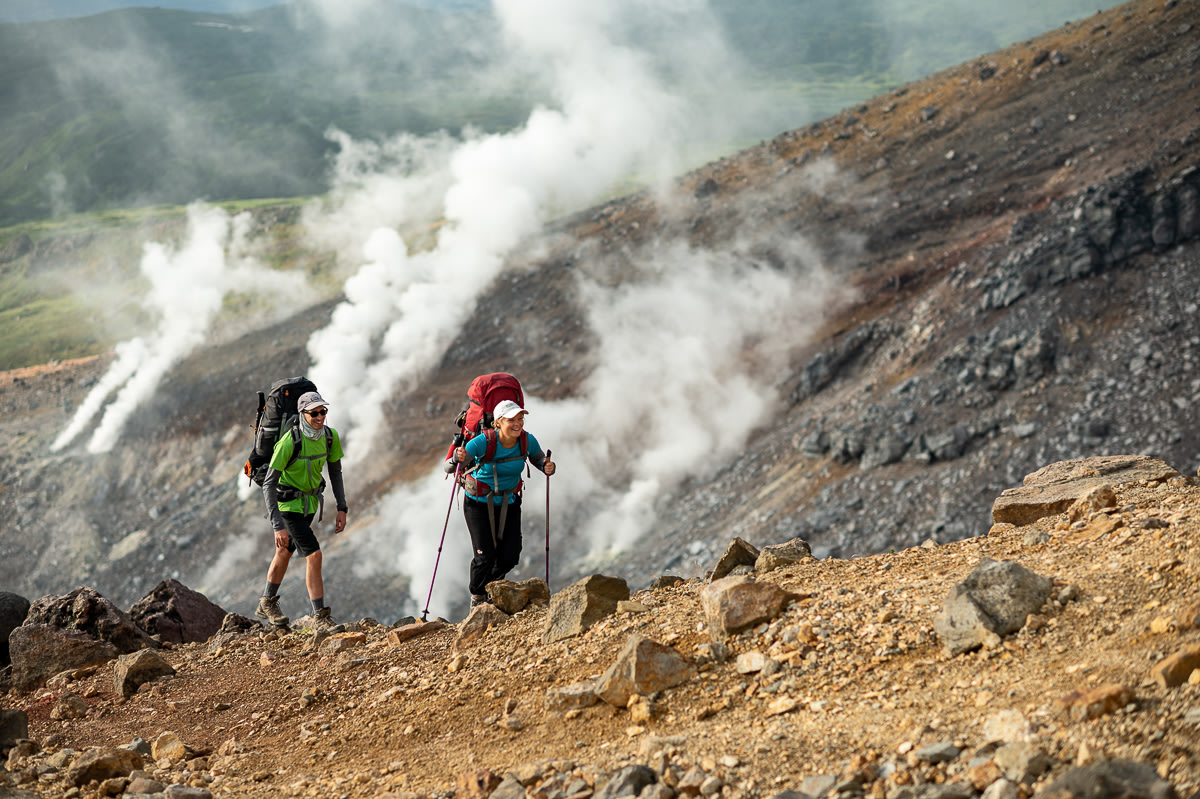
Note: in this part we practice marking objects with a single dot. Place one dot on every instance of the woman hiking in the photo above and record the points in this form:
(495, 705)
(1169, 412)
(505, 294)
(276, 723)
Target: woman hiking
(492, 507)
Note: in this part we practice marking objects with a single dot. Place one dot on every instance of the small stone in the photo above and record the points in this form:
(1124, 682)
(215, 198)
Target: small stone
(1089, 754)
(1096, 499)
(942, 752)
(167, 746)
(751, 662)
(1178, 667)
(1161, 625)
(69, 706)
(1097, 702)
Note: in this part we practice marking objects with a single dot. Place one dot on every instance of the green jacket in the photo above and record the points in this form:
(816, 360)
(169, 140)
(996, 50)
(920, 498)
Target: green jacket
(305, 473)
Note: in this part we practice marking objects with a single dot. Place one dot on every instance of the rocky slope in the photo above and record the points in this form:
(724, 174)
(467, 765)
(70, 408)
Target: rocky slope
(1018, 239)
(846, 691)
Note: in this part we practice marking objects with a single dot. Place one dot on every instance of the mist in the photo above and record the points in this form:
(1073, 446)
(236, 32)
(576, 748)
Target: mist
(614, 117)
(688, 349)
(727, 319)
(188, 282)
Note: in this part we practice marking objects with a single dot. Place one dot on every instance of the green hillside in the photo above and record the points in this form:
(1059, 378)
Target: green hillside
(144, 106)
(147, 105)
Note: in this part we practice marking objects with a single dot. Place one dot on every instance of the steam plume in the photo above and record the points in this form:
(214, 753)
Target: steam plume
(615, 118)
(187, 287)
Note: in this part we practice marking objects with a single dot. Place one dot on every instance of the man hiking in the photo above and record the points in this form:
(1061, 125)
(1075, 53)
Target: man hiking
(293, 493)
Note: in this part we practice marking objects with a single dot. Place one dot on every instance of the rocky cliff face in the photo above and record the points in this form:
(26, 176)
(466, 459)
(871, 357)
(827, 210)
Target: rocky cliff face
(1018, 242)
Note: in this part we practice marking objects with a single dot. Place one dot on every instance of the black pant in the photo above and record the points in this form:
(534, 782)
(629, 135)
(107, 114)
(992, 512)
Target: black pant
(492, 559)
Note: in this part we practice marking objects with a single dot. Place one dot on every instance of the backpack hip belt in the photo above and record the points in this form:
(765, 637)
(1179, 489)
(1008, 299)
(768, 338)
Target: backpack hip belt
(288, 493)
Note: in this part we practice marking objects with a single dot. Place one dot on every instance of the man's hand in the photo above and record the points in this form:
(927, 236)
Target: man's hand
(339, 524)
(548, 467)
(281, 539)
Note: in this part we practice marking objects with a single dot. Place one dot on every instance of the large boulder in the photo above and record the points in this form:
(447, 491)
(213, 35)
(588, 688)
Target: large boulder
(512, 597)
(1110, 779)
(39, 651)
(776, 556)
(739, 553)
(173, 612)
(14, 725)
(733, 604)
(86, 611)
(141, 667)
(100, 764)
(477, 624)
(580, 605)
(1054, 488)
(994, 600)
(642, 667)
(13, 608)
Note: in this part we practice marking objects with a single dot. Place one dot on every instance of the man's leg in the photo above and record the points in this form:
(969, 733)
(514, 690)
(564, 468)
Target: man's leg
(279, 565)
(301, 532)
(313, 579)
(268, 603)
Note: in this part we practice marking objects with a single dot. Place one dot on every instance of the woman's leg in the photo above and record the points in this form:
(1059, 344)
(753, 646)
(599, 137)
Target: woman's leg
(508, 550)
(482, 562)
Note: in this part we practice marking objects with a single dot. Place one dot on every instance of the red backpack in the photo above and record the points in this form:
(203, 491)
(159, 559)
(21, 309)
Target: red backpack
(483, 395)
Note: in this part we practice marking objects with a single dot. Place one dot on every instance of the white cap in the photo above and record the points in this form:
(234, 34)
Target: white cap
(507, 410)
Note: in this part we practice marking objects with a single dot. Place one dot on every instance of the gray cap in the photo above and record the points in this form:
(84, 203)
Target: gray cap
(310, 399)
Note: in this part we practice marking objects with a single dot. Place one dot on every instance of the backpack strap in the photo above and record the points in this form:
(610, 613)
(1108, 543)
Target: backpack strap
(297, 445)
(294, 430)
(493, 439)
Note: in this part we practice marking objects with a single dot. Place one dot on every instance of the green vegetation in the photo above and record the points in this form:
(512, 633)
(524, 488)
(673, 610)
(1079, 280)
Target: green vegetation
(72, 286)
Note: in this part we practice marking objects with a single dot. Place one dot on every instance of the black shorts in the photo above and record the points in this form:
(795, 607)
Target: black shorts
(301, 537)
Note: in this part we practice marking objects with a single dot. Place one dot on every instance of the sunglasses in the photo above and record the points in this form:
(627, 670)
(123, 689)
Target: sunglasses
(318, 412)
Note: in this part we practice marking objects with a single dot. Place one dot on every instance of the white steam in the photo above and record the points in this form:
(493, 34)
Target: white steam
(187, 288)
(616, 119)
(689, 350)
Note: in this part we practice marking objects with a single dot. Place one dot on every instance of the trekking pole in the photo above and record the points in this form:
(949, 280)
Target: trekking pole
(438, 559)
(547, 526)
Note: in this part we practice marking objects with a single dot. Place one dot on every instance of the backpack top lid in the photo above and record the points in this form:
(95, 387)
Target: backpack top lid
(284, 393)
(277, 412)
(485, 393)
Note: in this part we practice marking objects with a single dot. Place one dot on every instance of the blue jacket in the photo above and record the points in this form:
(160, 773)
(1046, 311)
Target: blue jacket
(503, 473)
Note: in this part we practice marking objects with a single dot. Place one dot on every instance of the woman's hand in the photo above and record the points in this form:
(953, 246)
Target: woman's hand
(548, 467)
(460, 454)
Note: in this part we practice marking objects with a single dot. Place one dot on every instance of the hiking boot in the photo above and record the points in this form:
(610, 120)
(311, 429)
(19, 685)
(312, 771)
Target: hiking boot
(323, 622)
(268, 608)
(479, 599)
